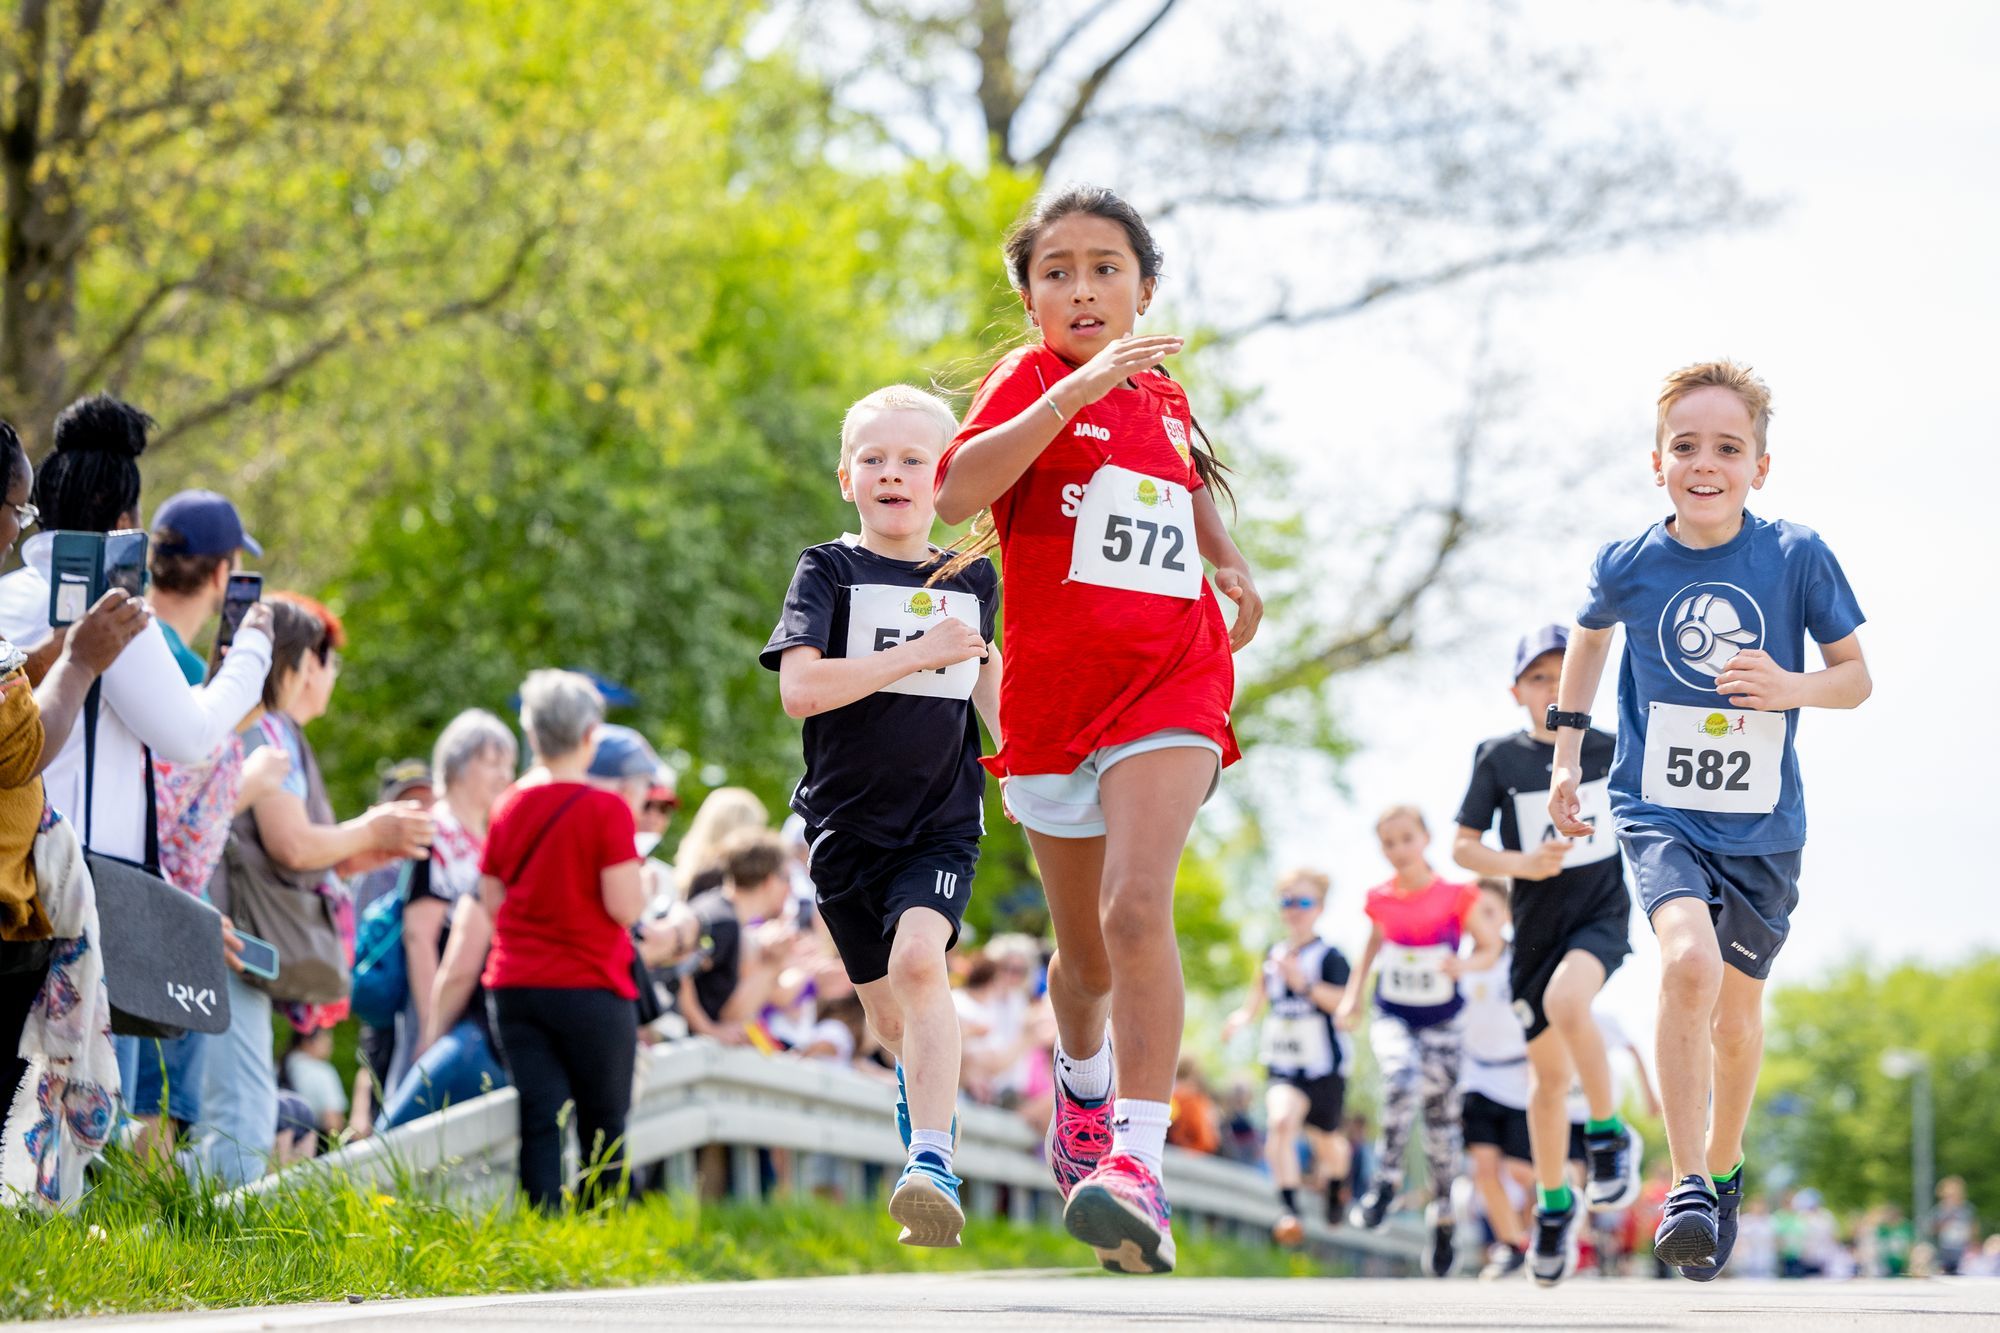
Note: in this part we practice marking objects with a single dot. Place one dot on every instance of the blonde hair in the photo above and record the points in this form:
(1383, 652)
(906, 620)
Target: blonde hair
(1401, 812)
(894, 398)
(1318, 881)
(1739, 380)
(726, 810)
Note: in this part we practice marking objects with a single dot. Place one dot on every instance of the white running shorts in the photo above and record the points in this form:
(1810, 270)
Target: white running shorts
(1065, 805)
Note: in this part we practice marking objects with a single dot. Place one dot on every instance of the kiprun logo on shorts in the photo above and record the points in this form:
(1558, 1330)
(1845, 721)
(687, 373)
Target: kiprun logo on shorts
(1747, 953)
(1524, 1013)
(1704, 625)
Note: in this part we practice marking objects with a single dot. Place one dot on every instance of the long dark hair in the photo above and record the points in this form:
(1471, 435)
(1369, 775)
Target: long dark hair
(1017, 250)
(91, 480)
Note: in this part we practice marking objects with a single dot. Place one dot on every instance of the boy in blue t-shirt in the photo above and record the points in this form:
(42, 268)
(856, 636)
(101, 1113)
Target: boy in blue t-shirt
(1705, 791)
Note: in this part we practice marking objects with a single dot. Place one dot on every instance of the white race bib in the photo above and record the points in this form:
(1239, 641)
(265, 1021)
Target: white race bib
(1415, 976)
(1136, 532)
(882, 615)
(1296, 1043)
(1724, 760)
(1531, 816)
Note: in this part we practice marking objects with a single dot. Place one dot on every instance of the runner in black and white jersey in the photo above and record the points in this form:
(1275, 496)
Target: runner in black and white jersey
(1571, 913)
(1299, 985)
(1493, 1081)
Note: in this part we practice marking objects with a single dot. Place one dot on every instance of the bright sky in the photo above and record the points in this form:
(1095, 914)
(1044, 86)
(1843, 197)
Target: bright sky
(1869, 306)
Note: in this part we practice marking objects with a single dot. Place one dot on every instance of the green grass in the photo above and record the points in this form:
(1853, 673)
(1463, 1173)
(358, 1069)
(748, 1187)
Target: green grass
(145, 1242)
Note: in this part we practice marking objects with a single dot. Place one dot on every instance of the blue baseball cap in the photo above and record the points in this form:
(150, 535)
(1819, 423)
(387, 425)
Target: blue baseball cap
(205, 524)
(623, 753)
(1547, 639)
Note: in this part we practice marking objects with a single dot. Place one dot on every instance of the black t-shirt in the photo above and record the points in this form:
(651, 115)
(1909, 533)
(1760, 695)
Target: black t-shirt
(722, 939)
(903, 762)
(1510, 779)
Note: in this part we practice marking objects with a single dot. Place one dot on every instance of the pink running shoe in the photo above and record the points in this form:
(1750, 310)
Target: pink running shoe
(1079, 1136)
(1120, 1210)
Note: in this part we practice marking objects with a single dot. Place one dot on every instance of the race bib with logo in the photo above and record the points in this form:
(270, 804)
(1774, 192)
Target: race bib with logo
(1298, 1042)
(882, 615)
(1726, 761)
(1415, 975)
(1136, 532)
(1531, 816)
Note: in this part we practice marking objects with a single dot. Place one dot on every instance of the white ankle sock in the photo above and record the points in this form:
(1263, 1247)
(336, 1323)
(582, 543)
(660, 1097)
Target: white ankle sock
(1089, 1079)
(936, 1141)
(1140, 1128)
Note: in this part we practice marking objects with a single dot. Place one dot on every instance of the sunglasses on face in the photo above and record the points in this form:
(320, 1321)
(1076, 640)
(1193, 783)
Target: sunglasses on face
(1298, 902)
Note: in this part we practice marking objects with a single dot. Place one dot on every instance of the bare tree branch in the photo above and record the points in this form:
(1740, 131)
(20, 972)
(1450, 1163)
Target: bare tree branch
(1078, 26)
(1086, 92)
(289, 369)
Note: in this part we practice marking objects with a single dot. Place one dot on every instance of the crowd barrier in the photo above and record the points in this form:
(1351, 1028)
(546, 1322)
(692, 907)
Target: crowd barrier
(691, 1095)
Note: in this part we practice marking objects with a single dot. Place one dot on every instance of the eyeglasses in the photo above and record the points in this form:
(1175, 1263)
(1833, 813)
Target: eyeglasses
(1298, 902)
(27, 514)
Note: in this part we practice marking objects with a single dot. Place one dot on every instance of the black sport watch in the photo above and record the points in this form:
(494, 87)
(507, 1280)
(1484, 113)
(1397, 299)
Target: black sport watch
(1556, 721)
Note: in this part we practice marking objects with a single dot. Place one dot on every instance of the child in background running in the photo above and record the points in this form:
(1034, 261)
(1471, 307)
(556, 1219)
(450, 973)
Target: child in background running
(1303, 979)
(882, 656)
(1116, 702)
(1716, 605)
(1418, 921)
(1571, 911)
(1493, 1086)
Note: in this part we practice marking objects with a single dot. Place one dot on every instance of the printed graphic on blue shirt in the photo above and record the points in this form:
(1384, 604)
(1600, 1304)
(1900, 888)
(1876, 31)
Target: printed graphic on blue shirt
(1725, 778)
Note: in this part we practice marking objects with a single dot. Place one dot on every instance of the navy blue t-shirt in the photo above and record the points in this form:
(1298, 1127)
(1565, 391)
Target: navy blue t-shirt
(903, 762)
(1686, 612)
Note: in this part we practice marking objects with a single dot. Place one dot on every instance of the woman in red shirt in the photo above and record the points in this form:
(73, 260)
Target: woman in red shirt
(1116, 718)
(560, 879)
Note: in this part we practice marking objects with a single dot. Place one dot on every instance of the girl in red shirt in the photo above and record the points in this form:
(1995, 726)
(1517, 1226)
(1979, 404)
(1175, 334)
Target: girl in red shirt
(1116, 718)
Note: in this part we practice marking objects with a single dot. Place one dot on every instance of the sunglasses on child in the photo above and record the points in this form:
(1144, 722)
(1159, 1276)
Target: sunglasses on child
(1298, 902)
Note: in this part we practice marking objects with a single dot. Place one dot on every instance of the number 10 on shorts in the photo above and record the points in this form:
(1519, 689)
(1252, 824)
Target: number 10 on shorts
(947, 884)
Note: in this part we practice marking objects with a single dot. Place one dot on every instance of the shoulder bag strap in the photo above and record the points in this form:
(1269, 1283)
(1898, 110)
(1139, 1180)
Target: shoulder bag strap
(90, 702)
(536, 845)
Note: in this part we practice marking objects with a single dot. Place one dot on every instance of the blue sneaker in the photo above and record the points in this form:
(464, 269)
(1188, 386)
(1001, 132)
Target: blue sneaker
(1728, 1201)
(1688, 1233)
(926, 1203)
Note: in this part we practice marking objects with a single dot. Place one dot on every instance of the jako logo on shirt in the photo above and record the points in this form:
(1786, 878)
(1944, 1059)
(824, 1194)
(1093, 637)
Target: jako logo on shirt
(1090, 432)
(1176, 435)
(1703, 626)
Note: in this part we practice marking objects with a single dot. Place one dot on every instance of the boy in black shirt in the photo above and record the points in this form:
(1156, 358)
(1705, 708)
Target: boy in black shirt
(886, 667)
(1571, 911)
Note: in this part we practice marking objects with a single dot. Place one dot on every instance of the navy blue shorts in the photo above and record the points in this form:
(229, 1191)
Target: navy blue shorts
(1750, 898)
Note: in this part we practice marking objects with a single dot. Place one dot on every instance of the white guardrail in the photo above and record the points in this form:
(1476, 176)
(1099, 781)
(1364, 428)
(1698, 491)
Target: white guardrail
(694, 1094)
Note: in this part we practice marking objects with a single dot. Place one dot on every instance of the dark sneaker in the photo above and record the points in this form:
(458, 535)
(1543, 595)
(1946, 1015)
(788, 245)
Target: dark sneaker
(1502, 1260)
(1441, 1255)
(1688, 1231)
(1554, 1255)
(1614, 1169)
(1728, 1200)
(1371, 1208)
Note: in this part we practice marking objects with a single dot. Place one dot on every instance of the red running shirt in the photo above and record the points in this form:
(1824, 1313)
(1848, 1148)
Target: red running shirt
(552, 929)
(1090, 666)
(1432, 915)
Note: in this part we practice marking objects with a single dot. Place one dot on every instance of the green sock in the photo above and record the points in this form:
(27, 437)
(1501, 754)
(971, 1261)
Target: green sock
(1730, 1174)
(1610, 1125)
(1555, 1200)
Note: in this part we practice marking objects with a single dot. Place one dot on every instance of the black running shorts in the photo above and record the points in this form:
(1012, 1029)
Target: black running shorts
(1750, 898)
(1487, 1121)
(863, 891)
(1325, 1097)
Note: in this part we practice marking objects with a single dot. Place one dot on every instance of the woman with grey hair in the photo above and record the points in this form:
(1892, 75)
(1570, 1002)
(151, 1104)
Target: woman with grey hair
(473, 762)
(560, 879)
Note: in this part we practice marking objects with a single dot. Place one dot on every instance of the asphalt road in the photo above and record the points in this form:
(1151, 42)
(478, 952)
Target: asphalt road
(1091, 1303)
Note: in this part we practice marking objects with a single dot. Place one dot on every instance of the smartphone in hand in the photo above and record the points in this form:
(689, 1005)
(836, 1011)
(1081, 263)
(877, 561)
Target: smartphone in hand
(244, 592)
(260, 957)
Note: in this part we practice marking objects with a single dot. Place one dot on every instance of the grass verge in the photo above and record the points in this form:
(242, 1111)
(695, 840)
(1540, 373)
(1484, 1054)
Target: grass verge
(147, 1242)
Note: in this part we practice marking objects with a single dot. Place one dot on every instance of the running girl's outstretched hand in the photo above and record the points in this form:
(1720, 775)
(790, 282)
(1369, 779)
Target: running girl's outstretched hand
(1233, 582)
(1121, 359)
(1349, 1014)
(1565, 806)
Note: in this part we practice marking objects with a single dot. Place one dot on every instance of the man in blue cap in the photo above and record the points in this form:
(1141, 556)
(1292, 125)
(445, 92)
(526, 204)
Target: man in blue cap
(197, 543)
(1571, 931)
